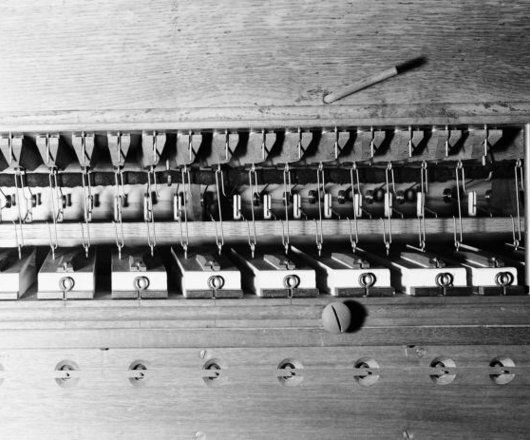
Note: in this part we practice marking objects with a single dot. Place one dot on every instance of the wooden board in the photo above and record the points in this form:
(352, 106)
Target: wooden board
(249, 338)
(200, 232)
(146, 64)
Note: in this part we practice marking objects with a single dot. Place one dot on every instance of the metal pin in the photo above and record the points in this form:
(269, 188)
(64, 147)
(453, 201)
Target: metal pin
(519, 179)
(150, 217)
(53, 243)
(356, 190)
(19, 240)
(85, 238)
(219, 239)
(319, 236)
(460, 175)
(387, 236)
(286, 237)
(421, 205)
(184, 238)
(390, 191)
(119, 237)
(253, 183)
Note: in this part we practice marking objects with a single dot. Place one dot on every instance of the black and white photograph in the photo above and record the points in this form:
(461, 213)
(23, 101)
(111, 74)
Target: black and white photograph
(264, 219)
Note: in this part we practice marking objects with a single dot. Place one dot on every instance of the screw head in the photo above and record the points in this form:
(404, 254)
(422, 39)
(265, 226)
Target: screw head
(367, 279)
(141, 283)
(66, 284)
(336, 317)
(216, 282)
(504, 279)
(444, 279)
(291, 281)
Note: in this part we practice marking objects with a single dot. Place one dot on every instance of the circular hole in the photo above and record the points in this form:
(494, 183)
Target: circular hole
(503, 374)
(138, 377)
(213, 367)
(366, 373)
(66, 379)
(290, 372)
(443, 376)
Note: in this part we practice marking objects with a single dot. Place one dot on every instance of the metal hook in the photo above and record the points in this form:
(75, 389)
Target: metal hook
(352, 240)
(150, 217)
(286, 185)
(184, 241)
(390, 191)
(387, 236)
(515, 241)
(319, 233)
(355, 187)
(119, 237)
(219, 240)
(459, 171)
(88, 199)
(518, 171)
(457, 241)
(421, 212)
(285, 238)
(53, 243)
(253, 182)
(319, 239)
(19, 186)
(85, 238)
(20, 242)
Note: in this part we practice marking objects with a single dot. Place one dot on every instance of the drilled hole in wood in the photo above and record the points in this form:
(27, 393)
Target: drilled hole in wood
(213, 368)
(444, 370)
(503, 374)
(290, 372)
(366, 372)
(138, 377)
(65, 379)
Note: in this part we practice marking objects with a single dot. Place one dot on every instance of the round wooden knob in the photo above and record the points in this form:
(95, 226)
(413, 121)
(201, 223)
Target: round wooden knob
(336, 317)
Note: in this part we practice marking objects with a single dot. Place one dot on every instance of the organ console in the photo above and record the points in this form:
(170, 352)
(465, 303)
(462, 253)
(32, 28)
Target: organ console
(194, 245)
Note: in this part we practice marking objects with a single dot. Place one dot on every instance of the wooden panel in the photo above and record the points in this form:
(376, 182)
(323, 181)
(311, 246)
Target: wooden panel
(274, 60)
(173, 402)
(135, 233)
(255, 322)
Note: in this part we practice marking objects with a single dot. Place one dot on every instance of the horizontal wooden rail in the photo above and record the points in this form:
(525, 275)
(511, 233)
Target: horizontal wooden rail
(135, 233)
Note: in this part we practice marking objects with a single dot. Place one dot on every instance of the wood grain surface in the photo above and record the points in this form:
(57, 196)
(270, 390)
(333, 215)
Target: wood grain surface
(173, 402)
(201, 232)
(269, 60)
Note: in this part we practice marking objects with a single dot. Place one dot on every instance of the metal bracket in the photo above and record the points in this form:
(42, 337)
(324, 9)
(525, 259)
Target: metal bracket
(207, 262)
(83, 144)
(188, 146)
(118, 145)
(350, 261)
(423, 259)
(224, 145)
(137, 264)
(330, 146)
(294, 146)
(48, 145)
(11, 147)
(153, 144)
(279, 262)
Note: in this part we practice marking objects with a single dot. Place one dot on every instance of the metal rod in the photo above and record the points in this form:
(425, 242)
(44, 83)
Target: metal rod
(527, 200)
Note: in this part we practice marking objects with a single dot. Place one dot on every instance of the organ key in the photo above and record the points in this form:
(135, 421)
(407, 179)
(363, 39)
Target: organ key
(207, 275)
(67, 273)
(17, 272)
(348, 274)
(274, 275)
